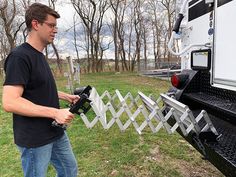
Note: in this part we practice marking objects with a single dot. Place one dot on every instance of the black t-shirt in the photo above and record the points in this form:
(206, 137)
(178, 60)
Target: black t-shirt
(28, 67)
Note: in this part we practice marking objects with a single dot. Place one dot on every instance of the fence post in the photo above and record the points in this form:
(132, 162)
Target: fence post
(70, 75)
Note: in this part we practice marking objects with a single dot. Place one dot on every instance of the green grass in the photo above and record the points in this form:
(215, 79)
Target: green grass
(102, 153)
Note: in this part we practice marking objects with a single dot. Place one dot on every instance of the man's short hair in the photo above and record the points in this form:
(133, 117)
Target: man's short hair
(39, 12)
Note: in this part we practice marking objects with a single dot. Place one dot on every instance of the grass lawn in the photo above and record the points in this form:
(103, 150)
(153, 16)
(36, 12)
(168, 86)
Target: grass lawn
(103, 153)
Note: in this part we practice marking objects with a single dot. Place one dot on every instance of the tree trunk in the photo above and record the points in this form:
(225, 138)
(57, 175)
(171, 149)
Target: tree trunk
(58, 58)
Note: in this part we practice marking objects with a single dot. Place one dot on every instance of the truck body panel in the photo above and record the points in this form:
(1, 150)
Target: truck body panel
(207, 33)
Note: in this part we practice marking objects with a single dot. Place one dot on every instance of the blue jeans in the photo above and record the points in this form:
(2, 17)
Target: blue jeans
(35, 161)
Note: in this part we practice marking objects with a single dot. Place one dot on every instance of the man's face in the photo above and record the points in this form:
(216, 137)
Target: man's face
(48, 29)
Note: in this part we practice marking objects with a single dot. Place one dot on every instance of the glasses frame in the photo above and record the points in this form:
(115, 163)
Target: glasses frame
(51, 25)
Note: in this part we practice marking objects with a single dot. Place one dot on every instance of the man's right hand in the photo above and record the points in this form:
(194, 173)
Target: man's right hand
(63, 116)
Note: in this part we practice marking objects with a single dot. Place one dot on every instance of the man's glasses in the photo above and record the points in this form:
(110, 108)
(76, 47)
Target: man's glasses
(51, 25)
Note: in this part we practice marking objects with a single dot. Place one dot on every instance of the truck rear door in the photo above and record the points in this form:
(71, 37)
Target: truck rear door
(224, 52)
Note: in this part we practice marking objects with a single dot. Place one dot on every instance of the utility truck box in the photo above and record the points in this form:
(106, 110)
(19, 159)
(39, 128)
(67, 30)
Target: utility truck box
(208, 78)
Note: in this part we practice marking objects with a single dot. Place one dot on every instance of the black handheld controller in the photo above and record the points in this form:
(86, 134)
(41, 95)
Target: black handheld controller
(81, 106)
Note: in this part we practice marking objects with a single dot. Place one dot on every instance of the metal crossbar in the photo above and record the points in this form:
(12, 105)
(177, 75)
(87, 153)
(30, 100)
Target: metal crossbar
(142, 111)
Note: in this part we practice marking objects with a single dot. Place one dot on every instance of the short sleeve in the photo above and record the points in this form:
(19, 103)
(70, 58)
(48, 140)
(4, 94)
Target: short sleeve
(17, 70)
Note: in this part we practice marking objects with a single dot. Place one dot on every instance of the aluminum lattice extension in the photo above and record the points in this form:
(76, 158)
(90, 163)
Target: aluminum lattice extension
(152, 114)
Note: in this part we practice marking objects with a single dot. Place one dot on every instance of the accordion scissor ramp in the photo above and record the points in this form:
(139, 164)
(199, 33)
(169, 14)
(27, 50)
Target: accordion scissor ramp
(143, 112)
(211, 136)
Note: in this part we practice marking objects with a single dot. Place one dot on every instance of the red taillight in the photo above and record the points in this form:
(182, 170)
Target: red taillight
(175, 80)
(179, 80)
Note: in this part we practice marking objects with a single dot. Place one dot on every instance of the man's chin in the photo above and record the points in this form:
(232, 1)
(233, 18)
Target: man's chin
(49, 42)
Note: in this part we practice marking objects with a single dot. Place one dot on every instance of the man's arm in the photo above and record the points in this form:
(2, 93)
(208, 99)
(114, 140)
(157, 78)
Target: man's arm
(13, 101)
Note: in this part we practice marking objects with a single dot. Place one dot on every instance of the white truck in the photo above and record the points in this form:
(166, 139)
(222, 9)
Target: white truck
(205, 30)
(201, 105)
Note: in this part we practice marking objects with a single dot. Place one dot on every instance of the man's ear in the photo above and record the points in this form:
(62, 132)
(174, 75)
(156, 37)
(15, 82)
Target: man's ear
(35, 24)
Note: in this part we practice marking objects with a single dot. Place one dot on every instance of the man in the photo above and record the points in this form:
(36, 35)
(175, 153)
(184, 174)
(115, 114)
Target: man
(30, 93)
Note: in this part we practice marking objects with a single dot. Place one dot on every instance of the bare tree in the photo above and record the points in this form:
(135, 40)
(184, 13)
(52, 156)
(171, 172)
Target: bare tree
(52, 4)
(146, 27)
(92, 13)
(169, 7)
(131, 42)
(115, 6)
(4, 47)
(25, 5)
(137, 27)
(102, 8)
(75, 37)
(130, 58)
(144, 38)
(103, 48)
(129, 32)
(119, 9)
(11, 27)
(87, 15)
(157, 25)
